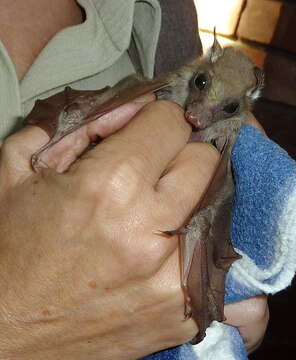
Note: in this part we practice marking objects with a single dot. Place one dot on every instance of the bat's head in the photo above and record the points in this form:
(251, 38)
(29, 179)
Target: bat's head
(224, 84)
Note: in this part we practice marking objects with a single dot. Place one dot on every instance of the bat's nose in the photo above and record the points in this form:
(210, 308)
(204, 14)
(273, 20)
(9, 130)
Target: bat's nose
(192, 119)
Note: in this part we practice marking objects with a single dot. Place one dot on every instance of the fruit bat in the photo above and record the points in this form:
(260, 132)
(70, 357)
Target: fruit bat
(216, 92)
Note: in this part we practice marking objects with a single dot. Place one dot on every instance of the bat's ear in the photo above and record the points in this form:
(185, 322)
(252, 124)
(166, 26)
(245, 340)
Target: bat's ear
(255, 92)
(216, 51)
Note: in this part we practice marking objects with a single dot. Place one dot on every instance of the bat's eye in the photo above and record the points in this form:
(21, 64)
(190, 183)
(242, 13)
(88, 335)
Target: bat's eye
(200, 81)
(231, 108)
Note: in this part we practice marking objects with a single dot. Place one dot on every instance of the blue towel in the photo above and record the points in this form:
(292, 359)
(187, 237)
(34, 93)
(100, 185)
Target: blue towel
(263, 232)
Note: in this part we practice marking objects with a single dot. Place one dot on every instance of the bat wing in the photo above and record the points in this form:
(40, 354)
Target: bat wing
(68, 110)
(206, 250)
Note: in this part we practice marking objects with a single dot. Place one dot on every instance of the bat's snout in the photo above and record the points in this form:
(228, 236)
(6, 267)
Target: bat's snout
(192, 119)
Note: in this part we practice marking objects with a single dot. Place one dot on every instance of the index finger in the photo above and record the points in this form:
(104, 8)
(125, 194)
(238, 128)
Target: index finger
(147, 144)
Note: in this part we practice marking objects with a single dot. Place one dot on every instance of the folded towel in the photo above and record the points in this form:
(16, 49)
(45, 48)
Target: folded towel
(263, 232)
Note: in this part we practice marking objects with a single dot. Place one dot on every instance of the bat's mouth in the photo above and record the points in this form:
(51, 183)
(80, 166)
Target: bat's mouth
(193, 120)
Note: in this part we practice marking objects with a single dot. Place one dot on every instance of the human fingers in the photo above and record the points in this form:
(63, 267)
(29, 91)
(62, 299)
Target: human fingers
(62, 154)
(251, 317)
(186, 179)
(146, 145)
(16, 153)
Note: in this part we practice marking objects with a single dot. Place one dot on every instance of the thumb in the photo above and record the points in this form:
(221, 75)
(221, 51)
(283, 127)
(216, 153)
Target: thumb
(17, 150)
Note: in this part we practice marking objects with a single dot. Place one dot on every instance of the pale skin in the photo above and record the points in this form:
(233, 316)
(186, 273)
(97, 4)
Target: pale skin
(85, 275)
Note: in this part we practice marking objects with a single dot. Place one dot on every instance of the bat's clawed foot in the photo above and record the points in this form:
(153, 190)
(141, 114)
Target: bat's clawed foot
(187, 312)
(37, 163)
(187, 303)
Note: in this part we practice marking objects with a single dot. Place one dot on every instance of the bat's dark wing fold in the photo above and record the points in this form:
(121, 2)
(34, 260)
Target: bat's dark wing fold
(213, 252)
(68, 110)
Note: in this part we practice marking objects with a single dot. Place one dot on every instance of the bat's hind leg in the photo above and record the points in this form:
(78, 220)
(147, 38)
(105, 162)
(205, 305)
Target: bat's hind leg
(185, 262)
(193, 245)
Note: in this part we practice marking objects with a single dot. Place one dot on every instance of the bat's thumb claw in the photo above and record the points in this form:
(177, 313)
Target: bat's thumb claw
(170, 232)
(37, 163)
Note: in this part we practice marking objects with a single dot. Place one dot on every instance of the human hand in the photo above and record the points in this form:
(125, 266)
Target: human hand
(251, 317)
(83, 274)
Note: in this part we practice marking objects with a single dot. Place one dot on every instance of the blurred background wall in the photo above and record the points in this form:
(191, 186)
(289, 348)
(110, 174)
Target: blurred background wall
(266, 31)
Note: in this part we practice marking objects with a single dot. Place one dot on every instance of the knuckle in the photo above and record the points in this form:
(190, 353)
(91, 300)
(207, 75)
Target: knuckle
(143, 265)
(168, 107)
(172, 114)
(150, 257)
(114, 194)
(145, 270)
(143, 256)
(87, 184)
(201, 156)
(119, 181)
(8, 148)
(122, 181)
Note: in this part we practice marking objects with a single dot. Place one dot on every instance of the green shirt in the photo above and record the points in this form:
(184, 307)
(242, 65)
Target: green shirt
(86, 56)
